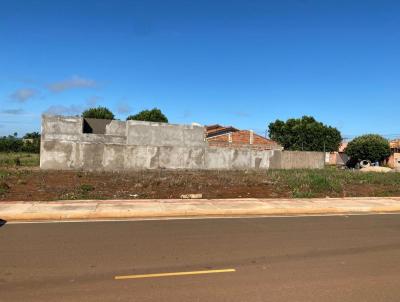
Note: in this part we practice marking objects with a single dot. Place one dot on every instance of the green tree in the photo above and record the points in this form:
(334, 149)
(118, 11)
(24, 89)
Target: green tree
(99, 113)
(371, 147)
(10, 144)
(31, 142)
(32, 135)
(153, 115)
(305, 134)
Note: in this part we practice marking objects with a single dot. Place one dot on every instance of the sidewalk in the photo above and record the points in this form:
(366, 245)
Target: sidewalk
(151, 208)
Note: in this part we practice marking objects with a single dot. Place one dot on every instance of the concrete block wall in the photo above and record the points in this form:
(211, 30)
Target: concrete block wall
(161, 134)
(116, 128)
(298, 160)
(136, 145)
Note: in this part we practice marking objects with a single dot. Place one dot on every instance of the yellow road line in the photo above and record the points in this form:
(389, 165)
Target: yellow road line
(229, 270)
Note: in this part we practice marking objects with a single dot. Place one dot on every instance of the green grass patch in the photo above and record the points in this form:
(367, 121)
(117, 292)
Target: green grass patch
(4, 187)
(85, 188)
(333, 182)
(19, 159)
(3, 174)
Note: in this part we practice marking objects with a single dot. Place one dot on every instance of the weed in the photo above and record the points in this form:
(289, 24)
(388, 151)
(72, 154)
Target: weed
(85, 188)
(22, 182)
(4, 188)
(3, 174)
(17, 161)
(303, 194)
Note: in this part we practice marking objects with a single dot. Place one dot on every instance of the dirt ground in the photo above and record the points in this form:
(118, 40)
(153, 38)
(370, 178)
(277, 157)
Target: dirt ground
(36, 185)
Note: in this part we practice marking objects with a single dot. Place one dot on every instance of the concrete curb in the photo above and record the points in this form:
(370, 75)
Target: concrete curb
(176, 208)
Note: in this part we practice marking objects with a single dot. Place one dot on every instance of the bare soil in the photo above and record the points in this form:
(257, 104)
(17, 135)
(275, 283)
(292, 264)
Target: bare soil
(32, 184)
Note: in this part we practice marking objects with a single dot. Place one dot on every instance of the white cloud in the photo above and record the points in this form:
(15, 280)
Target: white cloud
(23, 94)
(64, 110)
(72, 83)
(13, 111)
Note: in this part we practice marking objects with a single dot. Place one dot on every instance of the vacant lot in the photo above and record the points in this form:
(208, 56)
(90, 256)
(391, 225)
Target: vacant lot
(27, 183)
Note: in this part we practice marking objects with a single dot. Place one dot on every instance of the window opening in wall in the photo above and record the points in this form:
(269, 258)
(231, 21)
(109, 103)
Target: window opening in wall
(95, 126)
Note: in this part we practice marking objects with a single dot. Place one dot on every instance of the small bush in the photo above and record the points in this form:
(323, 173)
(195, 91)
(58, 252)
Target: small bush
(4, 187)
(86, 188)
(17, 161)
(3, 174)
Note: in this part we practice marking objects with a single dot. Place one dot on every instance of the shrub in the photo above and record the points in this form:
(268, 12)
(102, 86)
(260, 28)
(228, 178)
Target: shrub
(17, 161)
(86, 188)
(99, 113)
(153, 115)
(32, 135)
(4, 187)
(10, 144)
(371, 147)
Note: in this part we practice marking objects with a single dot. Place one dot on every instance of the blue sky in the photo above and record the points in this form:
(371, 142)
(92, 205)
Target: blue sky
(242, 63)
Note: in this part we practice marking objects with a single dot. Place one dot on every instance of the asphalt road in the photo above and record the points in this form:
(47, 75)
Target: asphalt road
(354, 258)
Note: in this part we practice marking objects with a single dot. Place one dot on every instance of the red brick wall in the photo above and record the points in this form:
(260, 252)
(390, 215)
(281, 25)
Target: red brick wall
(219, 138)
(242, 139)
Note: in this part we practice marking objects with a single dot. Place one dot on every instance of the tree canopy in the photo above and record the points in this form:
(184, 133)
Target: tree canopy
(153, 115)
(32, 135)
(30, 143)
(99, 113)
(305, 134)
(371, 147)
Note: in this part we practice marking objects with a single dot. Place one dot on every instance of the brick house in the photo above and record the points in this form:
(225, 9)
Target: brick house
(394, 159)
(338, 158)
(228, 136)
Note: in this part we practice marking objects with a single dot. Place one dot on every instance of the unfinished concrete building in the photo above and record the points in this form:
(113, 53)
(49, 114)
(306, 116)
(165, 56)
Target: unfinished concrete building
(75, 143)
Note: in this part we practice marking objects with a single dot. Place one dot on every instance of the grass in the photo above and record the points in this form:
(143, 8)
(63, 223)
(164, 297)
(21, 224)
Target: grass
(19, 159)
(309, 183)
(334, 182)
(86, 188)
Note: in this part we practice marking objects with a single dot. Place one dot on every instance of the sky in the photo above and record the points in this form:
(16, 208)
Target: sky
(242, 63)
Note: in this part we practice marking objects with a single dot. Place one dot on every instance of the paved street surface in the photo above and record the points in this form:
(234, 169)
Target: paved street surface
(353, 258)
